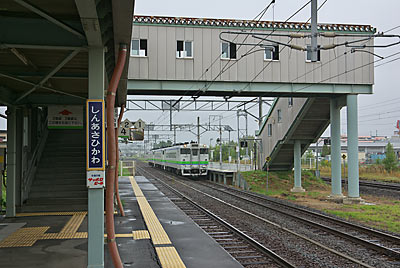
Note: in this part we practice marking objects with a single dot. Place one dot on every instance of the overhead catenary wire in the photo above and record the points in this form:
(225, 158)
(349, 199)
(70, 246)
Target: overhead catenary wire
(259, 16)
(235, 62)
(256, 19)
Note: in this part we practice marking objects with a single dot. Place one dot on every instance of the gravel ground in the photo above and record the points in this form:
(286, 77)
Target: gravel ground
(299, 251)
(302, 253)
(344, 246)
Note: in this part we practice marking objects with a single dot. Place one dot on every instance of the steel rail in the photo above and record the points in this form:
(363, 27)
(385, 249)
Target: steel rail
(392, 187)
(356, 239)
(275, 257)
(272, 223)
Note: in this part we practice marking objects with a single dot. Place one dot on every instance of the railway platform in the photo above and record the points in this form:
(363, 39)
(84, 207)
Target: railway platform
(154, 233)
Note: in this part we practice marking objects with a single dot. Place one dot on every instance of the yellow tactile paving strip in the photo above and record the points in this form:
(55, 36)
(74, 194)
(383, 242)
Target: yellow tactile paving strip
(168, 256)
(74, 223)
(24, 237)
(66, 213)
(141, 234)
(157, 233)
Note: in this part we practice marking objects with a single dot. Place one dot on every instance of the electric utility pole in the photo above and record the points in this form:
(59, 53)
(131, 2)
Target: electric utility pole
(314, 30)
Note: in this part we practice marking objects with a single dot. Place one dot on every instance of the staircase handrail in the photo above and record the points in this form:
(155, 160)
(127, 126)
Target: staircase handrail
(29, 173)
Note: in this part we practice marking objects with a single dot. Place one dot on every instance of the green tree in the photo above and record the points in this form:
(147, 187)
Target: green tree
(309, 154)
(390, 162)
(326, 150)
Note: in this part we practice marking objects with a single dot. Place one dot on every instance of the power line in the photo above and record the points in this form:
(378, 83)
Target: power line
(247, 53)
(261, 14)
(273, 30)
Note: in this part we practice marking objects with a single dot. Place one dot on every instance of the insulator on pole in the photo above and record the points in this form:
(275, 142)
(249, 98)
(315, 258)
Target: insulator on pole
(297, 47)
(328, 34)
(330, 46)
(297, 35)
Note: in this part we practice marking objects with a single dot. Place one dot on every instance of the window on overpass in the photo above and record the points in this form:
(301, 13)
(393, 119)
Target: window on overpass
(139, 47)
(279, 115)
(290, 102)
(269, 130)
(228, 50)
(184, 49)
(271, 54)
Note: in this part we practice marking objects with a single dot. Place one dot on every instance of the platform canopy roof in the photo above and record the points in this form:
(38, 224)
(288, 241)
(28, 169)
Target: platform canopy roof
(44, 48)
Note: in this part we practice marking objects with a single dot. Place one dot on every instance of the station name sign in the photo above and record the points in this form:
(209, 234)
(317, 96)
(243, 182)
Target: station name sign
(95, 144)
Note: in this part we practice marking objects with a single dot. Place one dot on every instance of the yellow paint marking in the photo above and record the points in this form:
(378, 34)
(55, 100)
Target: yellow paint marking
(141, 234)
(24, 237)
(66, 213)
(73, 224)
(136, 189)
(169, 257)
(157, 232)
(120, 235)
(81, 235)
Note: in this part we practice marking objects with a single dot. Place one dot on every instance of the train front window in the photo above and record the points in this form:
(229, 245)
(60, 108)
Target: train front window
(185, 151)
(195, 151)
(204, 151)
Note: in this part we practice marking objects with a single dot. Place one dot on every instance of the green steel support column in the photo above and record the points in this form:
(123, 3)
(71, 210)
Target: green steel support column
(297, 167)
(352, 146)
(11, 161)
(96, 196)
(336, 175)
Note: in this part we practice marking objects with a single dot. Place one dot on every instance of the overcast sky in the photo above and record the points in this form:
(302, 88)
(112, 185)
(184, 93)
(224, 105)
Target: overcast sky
(377, 112)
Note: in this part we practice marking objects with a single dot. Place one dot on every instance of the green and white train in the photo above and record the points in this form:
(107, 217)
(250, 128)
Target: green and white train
(186, 159)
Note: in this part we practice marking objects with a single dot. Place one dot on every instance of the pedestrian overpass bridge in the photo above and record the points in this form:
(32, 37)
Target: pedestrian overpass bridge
(63, 56)
(220, 57)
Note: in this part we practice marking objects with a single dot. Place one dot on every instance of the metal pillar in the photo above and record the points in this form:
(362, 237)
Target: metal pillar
(198, 130)
(352, 146)
(96, 196)
(11, 161)
(336, 191)
(170, 116)
(174, 134)
(238, 143)
(297, 167)
(247, 135)
(314, 30)
(229, 146)
(220, 144)
(260, 111)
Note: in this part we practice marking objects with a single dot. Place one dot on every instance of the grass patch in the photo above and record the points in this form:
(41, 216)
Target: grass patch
(281, 182)
(386, 217)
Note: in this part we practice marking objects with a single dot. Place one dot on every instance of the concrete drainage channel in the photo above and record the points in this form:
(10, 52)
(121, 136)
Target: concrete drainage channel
(238, 244)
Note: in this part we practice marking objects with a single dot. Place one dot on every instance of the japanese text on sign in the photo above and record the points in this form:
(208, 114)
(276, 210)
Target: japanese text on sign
(95, 179)
(95, 135)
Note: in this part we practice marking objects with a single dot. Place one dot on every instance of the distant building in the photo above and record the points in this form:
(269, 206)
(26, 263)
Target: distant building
(370, 148)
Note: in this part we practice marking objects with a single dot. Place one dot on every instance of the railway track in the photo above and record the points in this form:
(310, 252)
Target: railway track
(362, 235)
(246, 250)
(372, 184)
(355, 262)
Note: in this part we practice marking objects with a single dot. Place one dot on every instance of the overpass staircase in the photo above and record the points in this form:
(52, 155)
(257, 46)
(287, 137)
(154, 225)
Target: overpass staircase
(60, 180)
(305, 119)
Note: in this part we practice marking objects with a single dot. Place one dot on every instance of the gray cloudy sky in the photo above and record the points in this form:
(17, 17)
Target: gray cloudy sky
(377, 112)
